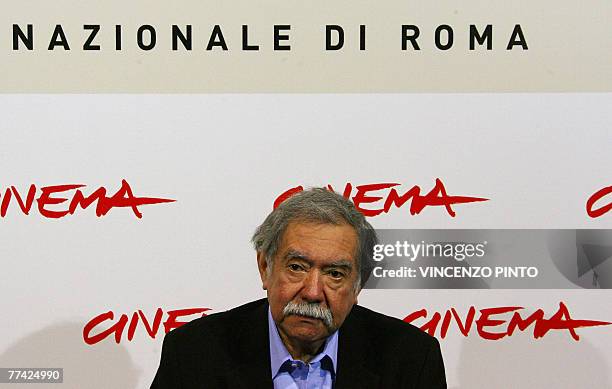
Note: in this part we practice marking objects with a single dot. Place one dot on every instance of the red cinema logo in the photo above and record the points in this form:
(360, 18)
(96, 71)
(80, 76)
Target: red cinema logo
(51, 197)
(374, 199)
(591, 205)
(500, 322)
(487, 323)
(98, 328)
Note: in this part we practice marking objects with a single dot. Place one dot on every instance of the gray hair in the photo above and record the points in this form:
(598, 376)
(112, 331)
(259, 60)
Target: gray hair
(318, 205)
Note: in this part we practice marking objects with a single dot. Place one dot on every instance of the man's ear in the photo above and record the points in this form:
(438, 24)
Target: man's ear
(262, 265)
(356, 293)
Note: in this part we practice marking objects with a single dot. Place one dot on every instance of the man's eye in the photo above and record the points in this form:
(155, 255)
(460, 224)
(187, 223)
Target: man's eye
(295, 267)
(336, 274)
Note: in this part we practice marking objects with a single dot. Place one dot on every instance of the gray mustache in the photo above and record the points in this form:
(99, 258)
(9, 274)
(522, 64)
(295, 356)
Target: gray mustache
(314, 310)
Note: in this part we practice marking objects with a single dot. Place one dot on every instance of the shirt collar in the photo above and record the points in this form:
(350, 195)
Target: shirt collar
(279, 354)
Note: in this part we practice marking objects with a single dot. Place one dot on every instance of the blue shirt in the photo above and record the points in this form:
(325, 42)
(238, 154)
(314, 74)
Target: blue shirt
(287, 373)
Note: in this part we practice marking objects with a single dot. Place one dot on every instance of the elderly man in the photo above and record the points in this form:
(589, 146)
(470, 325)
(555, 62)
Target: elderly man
(314, 255)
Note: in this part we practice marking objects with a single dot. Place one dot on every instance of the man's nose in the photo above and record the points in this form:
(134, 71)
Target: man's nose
(313, 287)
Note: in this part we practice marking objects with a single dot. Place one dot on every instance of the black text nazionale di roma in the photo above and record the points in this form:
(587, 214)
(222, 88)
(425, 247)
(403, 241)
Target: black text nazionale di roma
(146, 37)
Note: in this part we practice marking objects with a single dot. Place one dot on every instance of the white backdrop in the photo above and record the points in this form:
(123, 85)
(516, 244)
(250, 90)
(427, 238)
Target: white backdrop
(225, 159)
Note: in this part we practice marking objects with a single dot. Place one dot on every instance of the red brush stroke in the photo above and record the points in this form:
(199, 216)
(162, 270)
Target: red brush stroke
(59, 194)
(596, 197)
(365, 196)
(491, 323)
(92, 333)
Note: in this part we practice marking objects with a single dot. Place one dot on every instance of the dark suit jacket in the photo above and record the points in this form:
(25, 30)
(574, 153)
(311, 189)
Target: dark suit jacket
(231, 350)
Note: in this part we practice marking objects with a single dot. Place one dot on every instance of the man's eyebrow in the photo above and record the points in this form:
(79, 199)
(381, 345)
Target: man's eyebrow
(342, 263)
(294, 254)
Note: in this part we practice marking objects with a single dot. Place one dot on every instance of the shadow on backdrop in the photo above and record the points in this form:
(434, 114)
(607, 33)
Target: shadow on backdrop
(554, 361)
(106, 365)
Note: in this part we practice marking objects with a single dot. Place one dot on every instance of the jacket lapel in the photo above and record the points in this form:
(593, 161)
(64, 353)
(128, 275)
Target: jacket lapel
(353, 371)
(252, 352)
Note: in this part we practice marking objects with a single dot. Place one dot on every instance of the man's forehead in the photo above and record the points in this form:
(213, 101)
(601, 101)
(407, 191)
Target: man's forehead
(340, 233)
(314, 239)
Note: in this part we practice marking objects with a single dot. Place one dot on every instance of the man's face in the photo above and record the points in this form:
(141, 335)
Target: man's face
(314, 263)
